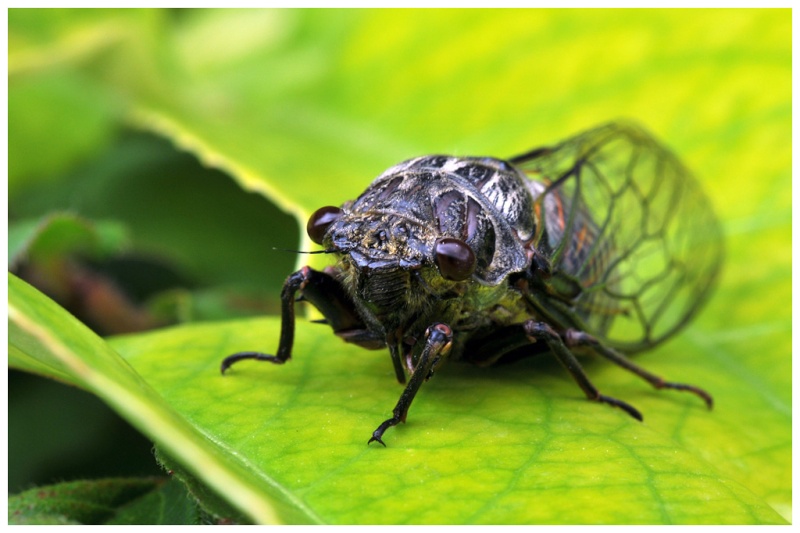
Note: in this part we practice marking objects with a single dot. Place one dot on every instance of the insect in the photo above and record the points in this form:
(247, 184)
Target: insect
(603, 244)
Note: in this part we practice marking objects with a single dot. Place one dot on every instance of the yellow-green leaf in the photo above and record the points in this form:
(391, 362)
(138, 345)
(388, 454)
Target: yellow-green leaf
(46, 339)
(515, 444)
(307, 106)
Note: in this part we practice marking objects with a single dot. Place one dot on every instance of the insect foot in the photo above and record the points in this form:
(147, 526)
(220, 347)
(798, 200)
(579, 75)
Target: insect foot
(258, 356)
(438, 339)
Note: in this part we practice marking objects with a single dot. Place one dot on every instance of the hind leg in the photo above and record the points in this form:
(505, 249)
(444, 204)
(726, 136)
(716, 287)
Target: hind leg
(580, 339)
(531, 333)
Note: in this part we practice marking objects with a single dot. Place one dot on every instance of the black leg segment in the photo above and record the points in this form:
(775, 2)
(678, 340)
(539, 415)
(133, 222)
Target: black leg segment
(292, 284)
(326, 294)
(438, 339)
(579, 338)
(540, 331)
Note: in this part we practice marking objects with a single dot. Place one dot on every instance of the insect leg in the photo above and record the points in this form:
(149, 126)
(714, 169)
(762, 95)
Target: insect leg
(542, 331)
(438, 339)
(326, 294)
(292, 284)
(579, 338)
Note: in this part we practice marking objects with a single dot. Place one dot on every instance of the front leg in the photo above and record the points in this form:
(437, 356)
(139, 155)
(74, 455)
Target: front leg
(326, 294)
(438, 340)
(293, 283)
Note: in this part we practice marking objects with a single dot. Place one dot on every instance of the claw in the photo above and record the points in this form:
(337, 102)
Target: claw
(375, 439)
(378, 433)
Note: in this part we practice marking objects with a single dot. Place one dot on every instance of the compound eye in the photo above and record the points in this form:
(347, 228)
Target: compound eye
(320, 221)
(454, 258)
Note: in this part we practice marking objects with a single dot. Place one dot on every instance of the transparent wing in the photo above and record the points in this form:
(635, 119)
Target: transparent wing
(633, 242)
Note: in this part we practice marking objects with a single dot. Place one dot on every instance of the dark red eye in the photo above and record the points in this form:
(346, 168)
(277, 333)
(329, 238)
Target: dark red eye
(454, 258)
(320, 221)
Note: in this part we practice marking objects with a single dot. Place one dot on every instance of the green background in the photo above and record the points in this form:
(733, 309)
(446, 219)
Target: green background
(305, 107)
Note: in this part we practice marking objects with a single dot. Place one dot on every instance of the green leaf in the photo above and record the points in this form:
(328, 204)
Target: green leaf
(193, 206)
(42, 240)
(212, 503)
(44, 338)
(82, 502)
(106, 501)
(487, 442)
(515, 444)
(308, 106)
(65, 116)
(170, 504)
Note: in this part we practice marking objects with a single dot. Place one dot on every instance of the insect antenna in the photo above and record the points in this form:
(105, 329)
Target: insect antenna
(326, 251)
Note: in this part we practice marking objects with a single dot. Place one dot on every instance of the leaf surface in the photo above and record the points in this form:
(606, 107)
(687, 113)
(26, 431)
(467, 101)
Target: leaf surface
(515, 444)
(45, 339)
(315, 104)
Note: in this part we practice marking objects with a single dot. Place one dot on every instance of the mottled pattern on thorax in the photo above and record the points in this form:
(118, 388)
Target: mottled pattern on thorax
(482, 201)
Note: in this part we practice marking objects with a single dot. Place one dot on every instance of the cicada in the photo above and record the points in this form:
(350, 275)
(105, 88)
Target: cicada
(603, 243)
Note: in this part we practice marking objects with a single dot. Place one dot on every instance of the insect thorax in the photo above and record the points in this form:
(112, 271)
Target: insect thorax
(386, 237)
(481, 201)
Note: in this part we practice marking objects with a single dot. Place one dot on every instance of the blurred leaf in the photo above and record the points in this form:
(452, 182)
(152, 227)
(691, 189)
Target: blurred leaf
(55, 120)
(77, 502)
(54, 254)
(181, 305)
(57, 432)
(57, 235)
(42, 39)
(169, 504)
(107, 501)
(335, 95)
(58, 114)
(175, 209)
